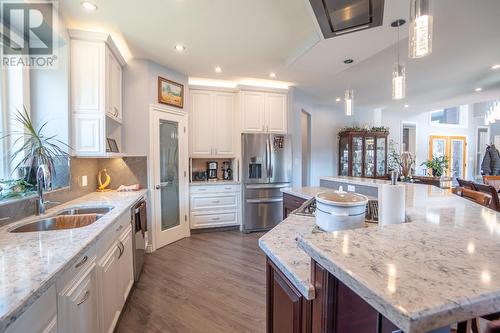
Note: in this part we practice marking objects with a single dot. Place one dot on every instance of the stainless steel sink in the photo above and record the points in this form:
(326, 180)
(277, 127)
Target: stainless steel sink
(67, 219)
(86, 210)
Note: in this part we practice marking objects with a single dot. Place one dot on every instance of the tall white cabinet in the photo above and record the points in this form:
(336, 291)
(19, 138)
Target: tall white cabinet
(213, 124)
(96, 92)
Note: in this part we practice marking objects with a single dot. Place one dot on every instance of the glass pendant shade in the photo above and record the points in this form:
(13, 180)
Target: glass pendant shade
(398, 82)
(420, 39)
(349, 95)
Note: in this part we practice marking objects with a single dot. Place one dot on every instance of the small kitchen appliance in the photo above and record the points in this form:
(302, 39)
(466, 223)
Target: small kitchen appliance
(212, 170)
(227, 173)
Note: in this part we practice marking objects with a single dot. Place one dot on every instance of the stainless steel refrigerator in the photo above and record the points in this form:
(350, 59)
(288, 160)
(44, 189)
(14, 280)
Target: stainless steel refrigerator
(266, 168)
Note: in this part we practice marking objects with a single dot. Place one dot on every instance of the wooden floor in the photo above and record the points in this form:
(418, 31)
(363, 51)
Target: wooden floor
(210, 282)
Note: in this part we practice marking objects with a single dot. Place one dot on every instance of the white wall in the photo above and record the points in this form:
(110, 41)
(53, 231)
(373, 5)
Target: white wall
(140, 89)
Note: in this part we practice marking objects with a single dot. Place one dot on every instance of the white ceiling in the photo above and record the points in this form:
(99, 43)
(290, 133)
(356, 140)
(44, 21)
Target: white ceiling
(253, 38)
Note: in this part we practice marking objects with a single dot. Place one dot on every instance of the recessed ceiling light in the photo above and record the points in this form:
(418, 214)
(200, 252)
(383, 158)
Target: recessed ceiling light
(337, 99)
(180, 47)
(272, 75)
(89, 5)
(407, 106)
(495, 67)
(218, 69)
(478, 89)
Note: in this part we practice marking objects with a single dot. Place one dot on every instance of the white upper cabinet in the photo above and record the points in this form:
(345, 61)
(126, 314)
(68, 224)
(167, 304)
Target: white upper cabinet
(263, 112)
(202, 123)
(253, 111)
(96, 91)
(276, 111)
(213, 123)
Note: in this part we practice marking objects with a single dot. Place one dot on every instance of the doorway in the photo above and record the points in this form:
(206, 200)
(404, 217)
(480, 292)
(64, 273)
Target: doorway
(168, 166)
(305, 124)
(409, 138)
(453, 147)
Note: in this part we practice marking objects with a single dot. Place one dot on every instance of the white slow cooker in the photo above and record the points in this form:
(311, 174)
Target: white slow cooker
(339, 210)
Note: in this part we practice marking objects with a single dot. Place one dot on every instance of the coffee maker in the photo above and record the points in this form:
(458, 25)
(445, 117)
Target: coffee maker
(227, 173)
(212, 170)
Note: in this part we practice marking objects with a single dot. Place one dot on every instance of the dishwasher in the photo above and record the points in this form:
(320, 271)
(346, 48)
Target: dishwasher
(139, 228)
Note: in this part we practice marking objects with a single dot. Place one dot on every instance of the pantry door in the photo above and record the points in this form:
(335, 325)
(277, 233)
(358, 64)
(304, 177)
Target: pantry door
(169, 182)
(453, 147)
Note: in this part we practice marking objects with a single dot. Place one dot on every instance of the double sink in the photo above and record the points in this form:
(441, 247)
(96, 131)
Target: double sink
(67, 219)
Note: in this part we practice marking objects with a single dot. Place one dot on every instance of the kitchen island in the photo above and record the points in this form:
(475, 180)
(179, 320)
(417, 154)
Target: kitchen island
(439, 269)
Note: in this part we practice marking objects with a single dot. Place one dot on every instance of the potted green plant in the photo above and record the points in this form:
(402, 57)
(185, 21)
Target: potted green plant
(437, 165)
(35, 148)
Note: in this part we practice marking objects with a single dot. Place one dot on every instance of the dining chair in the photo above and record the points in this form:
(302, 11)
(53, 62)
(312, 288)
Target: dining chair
(493, 181)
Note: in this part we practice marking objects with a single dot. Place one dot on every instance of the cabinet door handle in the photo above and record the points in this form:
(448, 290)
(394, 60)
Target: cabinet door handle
(216, 151)
(215, 218)
(216, 201)
(121, 250)
(81, 262)
(84, 298)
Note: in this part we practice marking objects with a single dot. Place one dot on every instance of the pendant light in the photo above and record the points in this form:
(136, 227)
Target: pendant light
(398, 73)
(420, 39)
(349, 107)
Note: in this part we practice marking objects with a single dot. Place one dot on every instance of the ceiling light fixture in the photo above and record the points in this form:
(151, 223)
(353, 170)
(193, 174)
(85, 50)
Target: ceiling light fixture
(478, 89)
(420, 39)
(180, 48)
(406, 106)
(218, 69)
(89, 5)
(495, 67)
(272, 75)
(349, 100)
(399, 72)
(337, 99)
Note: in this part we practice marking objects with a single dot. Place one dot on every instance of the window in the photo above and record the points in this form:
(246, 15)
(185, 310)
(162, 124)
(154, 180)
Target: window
(14, 91)
(455, 116)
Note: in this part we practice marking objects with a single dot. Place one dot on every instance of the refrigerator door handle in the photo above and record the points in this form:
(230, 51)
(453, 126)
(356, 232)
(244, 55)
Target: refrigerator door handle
(270, 200)
(268, 157)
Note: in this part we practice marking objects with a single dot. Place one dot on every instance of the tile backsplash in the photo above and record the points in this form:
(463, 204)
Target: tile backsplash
(126, 171)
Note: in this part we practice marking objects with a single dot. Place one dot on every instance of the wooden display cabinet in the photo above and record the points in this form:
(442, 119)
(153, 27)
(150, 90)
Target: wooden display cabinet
(363, 154)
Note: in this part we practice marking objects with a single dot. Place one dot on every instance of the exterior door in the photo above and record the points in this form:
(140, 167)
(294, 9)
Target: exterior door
(453, 147)
(169, 176)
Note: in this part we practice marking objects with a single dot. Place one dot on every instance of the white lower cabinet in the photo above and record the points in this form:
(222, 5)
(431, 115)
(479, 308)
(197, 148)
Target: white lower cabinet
(214, 206)
(77, 303)
(125, 266)
(40, 317)
(107, 273)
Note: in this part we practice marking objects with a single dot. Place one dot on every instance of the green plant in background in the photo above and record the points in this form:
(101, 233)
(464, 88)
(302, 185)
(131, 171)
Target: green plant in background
(15, 188)
(437, 165)
(35, 149)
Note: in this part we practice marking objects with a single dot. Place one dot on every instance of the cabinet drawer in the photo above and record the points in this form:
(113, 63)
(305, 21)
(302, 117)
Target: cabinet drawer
(209, 189)
(78, 265)
(214, 219)
(214, 202)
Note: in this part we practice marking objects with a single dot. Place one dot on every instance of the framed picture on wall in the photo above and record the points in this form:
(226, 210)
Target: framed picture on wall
(112, 146)
(170, 92)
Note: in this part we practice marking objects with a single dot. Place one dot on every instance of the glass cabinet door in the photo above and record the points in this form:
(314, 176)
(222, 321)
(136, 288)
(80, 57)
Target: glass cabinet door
(381, 156)
(344, 156)
(369, 156)
(357, 156)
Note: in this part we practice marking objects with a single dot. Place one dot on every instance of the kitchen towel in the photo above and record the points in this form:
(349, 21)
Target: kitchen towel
(391, 204)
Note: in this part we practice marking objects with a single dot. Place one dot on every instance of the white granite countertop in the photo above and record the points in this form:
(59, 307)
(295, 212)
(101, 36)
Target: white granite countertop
(441, 268)
(280, 245)
(213, 182)
(31, 262)
(305, 192)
